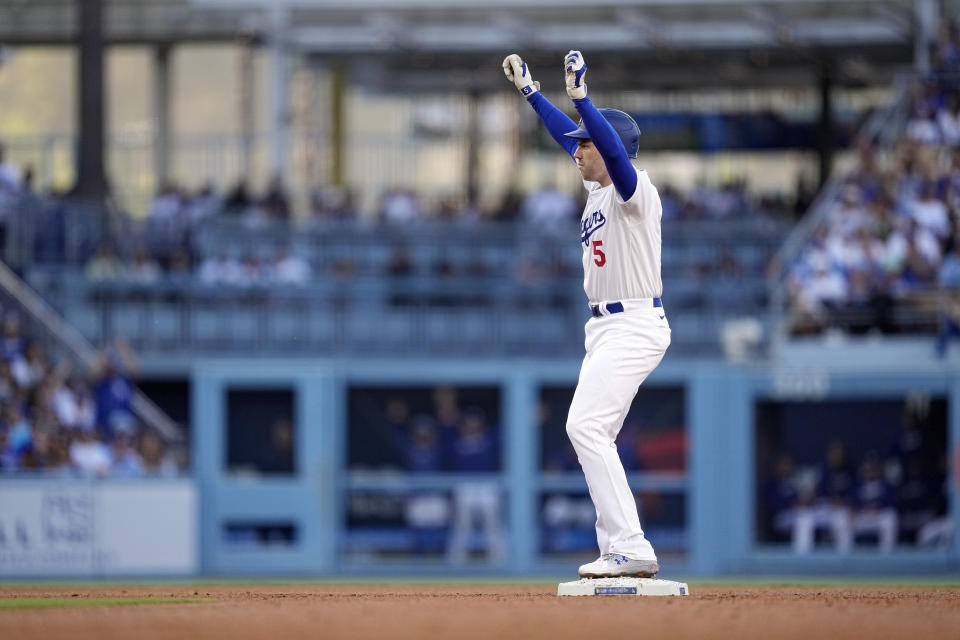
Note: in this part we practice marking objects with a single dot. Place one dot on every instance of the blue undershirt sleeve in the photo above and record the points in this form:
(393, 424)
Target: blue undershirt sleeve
(556, 121)
(608, 143)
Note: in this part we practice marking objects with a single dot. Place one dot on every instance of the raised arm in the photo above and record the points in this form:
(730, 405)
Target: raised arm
(603, 136)
(556, 121)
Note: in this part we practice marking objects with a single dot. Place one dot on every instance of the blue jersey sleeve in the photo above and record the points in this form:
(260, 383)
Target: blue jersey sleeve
(608, 143)
(556, 121)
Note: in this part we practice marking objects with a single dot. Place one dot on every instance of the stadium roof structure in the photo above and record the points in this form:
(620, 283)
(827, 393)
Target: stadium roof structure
(631, 43)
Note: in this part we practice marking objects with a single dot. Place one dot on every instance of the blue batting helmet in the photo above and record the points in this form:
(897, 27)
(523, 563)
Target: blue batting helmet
(625, 126)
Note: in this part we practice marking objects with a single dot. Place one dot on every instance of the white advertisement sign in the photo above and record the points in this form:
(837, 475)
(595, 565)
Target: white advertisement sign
(79, 528)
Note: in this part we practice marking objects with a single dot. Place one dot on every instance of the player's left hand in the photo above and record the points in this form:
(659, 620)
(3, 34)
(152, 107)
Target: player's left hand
(575, 68)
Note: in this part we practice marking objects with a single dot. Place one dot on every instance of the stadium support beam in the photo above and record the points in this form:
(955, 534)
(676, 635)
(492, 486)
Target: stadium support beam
(337, 122)
(926, 14)
(472, 190)
(161, 112)
(280, 88)
(91, 177)
(245, 106)
(825, 130)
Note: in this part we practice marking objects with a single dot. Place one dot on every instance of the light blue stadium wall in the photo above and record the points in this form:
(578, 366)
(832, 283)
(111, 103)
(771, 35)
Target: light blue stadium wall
(719, 482)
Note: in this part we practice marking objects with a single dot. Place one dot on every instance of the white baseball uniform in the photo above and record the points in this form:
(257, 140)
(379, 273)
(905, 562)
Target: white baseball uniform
(621, 264)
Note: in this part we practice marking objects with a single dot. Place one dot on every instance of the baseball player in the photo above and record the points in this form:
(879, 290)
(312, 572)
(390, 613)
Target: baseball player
(628, 334)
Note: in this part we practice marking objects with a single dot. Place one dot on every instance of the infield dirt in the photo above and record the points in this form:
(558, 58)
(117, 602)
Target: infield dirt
(492, 613)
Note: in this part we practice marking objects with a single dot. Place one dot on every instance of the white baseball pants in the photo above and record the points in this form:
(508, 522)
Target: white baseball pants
(622, 350)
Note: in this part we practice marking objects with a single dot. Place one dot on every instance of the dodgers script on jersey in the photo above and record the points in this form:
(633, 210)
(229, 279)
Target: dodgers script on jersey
(621, 242)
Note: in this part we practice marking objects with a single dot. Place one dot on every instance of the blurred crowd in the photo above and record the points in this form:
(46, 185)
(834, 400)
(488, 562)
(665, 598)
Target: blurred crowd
(60, 420)
(174, 249)
(893, 234)
(897, 496)
(168, 246)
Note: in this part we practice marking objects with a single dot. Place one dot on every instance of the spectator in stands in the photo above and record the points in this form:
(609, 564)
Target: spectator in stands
(252, 272)
(8, 384)
(825, 289)
(476, 450)
(125, 461)
(670, 202)
(949, 279)
(12, 343)
(913, 254)
(11, 178)
(113, 376)
(875, 504)
(930, 212)
(238, 201)
(850, 214)
(289, 269)
(58, 455)
(344, 268)
(166, 210)
(276, 203)
(400, 263)
(550, 210)
(945, 58)
(73, 404)
(104, 265)
(8, 459)
(400, 206)
(951, 181)
(90, 456)
(923, 127)
(30, 368)
(156, 461)
(948, 118)
(332, 202)
(143, 270)
(18, 431)
(455, 207)
(221, 270)
(509, 207)
(179, 271)
(204, 204)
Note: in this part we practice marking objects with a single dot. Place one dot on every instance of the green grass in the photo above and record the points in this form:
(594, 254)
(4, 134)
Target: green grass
(59, 603)
(946, 580)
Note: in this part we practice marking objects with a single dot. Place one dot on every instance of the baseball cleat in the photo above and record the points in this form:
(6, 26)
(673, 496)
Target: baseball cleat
(614, 565)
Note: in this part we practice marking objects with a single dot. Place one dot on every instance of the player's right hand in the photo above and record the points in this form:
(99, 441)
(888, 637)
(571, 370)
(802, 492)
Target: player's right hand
(518, 73)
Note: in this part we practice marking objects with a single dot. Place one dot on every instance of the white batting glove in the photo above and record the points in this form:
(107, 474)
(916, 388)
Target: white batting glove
(518, 73)
(574, 69)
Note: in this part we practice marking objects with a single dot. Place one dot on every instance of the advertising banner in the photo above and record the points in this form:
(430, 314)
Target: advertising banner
(81, 528)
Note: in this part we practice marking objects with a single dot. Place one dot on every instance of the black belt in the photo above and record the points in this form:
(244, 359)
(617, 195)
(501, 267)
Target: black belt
(617, 307)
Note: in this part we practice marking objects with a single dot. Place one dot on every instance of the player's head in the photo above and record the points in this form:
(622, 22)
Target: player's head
(590, 162)
(625, 126)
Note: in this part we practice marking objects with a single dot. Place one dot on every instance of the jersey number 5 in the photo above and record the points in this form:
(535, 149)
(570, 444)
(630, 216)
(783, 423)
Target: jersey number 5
(600, 258)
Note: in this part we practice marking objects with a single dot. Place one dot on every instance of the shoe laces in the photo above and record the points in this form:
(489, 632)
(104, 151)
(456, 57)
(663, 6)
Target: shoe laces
(614, 557)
